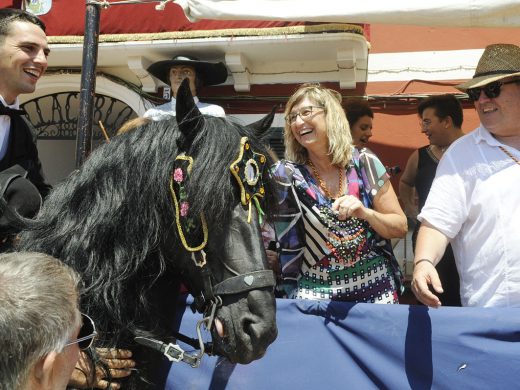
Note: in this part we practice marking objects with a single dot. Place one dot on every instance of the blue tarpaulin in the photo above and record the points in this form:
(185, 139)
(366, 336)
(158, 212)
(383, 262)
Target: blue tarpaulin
(323, 344)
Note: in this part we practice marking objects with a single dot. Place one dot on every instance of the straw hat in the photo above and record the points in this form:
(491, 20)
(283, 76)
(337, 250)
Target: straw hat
(498, 61)
(210, 73)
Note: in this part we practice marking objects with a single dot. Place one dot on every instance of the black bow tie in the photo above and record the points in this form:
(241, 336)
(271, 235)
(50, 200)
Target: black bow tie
(12, 112)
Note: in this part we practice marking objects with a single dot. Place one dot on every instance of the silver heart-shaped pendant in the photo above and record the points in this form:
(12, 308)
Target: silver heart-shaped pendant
(249, 279)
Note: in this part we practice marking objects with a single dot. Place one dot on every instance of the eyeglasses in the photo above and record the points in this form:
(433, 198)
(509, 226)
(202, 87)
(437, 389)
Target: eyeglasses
(424, 123)
(87, 333)
(492, 90)
(304, 113)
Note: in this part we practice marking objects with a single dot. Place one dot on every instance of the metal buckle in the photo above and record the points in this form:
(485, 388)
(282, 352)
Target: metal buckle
(170, 356)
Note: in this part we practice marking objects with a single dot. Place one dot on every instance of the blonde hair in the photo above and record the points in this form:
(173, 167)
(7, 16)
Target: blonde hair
(132, 124)
(338, 129)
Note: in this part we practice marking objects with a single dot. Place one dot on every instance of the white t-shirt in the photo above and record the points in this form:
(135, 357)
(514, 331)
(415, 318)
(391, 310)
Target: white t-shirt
(167, 110)
(475, 202)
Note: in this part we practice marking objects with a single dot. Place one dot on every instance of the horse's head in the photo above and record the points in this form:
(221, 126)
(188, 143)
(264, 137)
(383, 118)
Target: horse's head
(118, 223)
(218, 186)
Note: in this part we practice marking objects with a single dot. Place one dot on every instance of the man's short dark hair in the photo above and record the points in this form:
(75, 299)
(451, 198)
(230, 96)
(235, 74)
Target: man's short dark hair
(444, 106)
(356, 109)
(10, 15)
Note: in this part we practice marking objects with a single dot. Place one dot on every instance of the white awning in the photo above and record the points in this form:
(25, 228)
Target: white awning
(457, 13)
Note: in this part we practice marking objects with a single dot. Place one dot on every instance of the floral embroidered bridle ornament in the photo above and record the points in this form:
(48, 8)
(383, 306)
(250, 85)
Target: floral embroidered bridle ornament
(182, 168)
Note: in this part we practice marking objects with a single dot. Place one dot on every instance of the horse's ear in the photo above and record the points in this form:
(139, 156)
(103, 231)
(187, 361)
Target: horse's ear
(261, 127)
(189, 118)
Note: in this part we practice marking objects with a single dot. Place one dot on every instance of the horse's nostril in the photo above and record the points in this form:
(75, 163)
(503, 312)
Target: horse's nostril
(254, 329)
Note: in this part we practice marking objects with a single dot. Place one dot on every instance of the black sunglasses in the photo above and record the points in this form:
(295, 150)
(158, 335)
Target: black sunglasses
(492, 90)
(87, 333)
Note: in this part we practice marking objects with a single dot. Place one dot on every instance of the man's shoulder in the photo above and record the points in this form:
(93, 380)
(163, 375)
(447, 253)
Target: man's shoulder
(465, 144)
(162, 107)
(211, 109)
(159, 112)
(22, 131)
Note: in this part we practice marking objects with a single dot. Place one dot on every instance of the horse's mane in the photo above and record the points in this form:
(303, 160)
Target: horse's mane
(112, 219)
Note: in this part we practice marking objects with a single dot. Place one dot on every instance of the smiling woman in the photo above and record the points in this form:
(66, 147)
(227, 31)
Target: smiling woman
(360, 117)
(339, 205)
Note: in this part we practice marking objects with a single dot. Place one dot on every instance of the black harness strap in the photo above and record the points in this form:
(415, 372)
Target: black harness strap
(245, 282)
(172, 351)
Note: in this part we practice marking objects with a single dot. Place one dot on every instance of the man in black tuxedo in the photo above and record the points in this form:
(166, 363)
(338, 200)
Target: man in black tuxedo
(23, 60)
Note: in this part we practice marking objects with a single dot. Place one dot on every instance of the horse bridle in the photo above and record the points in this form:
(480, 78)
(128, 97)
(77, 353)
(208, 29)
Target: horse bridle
(247, 169)
(207, 302)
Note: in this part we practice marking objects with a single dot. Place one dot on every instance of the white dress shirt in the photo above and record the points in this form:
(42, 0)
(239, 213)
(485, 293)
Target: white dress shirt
(475, 202)
(167, 110)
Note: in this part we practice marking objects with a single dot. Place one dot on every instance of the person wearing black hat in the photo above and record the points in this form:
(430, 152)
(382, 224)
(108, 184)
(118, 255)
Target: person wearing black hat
(200, 73)
(23, 60)
(473, 201)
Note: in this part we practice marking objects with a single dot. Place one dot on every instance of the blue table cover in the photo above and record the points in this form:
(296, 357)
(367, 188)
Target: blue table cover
(337, 345)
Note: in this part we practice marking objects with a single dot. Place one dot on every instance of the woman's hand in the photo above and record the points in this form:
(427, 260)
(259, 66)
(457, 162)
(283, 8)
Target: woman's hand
(349, 206)
(272, 260)
(118, 361)
(386, 217)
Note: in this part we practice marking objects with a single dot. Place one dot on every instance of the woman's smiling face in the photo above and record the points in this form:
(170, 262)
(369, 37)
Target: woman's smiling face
(311, 130)
(361, 131)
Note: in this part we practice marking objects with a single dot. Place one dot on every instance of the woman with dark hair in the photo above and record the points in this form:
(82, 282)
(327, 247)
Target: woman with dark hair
(338, 209)
(360, 117)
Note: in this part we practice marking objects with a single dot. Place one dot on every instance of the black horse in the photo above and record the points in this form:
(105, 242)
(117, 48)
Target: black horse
(145, 212)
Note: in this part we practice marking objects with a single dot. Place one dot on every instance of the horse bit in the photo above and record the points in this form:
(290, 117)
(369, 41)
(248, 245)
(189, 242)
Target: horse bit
(247, 170)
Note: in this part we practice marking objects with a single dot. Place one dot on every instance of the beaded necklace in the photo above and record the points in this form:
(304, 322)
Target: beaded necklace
(509, 154)
(321, 183)
(346, 240)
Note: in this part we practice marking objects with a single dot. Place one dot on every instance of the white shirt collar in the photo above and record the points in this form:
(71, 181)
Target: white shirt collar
(483, 135)
(15, 105)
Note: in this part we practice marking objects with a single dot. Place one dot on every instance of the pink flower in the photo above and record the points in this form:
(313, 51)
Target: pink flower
(177, 175)
(185, 206)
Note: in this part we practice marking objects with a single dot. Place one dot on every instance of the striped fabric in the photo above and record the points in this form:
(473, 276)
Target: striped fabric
(324, 258)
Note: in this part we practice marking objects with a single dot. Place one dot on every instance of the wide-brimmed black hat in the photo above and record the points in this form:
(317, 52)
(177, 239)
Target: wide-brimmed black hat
(210, 73)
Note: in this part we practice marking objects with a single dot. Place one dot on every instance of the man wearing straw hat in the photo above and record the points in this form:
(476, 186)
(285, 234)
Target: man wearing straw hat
(473, 202)
(199, 73)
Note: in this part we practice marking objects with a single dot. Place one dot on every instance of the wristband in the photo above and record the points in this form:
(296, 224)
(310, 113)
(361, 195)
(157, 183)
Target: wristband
(420, 261)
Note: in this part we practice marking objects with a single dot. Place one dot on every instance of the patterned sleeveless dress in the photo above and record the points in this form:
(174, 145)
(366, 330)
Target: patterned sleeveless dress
(325, 258)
